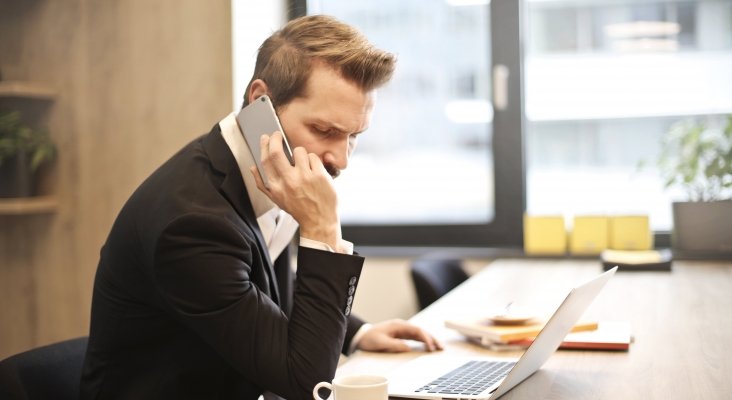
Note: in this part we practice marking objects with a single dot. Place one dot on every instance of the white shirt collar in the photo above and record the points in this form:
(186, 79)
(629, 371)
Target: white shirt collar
(243, 155)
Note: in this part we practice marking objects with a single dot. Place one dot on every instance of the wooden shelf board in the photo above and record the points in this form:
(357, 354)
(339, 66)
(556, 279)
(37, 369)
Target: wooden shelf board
(28, 205)
(23, 89)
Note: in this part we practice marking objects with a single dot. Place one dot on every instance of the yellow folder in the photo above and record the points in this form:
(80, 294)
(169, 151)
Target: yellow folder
(544, 235)
(630, 232)
(589, 235)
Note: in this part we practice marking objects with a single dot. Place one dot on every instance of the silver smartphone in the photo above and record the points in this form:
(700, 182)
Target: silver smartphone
(256, 119)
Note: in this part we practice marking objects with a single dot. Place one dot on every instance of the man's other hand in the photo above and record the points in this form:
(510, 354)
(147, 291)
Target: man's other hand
(387, 336)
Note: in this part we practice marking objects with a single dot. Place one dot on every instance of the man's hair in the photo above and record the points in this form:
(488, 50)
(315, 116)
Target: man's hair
(286, 58)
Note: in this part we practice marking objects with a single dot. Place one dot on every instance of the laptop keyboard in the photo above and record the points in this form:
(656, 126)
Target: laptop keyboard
(472, 378)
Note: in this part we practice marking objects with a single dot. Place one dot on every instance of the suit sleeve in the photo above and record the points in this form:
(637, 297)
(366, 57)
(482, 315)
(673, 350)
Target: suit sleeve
(354, 324)
(205, 267)
(286, 282)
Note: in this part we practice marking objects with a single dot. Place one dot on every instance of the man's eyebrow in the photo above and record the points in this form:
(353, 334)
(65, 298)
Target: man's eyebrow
(335, 126)
(328, 124)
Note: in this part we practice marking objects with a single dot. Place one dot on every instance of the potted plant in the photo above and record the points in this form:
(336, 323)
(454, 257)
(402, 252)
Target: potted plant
(23, 150)
(696, 156)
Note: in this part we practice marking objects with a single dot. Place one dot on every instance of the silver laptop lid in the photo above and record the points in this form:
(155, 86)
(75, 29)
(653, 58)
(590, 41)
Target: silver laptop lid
(424, 369)
(553, 333)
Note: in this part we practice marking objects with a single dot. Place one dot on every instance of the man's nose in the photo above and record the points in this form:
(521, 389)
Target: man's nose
(338, 154)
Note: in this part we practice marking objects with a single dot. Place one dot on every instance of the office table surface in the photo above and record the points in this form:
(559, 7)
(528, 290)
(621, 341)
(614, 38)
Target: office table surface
(681, 323)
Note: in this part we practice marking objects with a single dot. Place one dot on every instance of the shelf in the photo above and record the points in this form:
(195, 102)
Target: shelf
(28, 205)
(36, 204)
(28, 90)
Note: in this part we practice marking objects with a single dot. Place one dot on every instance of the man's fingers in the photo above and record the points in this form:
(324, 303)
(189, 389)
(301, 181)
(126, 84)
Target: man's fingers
(264, 147)
(432, 343)
(397, 346)
(409, 331)
(258, 179)
(316, 164)
(277, 150)
(422, 336)
(302, 159)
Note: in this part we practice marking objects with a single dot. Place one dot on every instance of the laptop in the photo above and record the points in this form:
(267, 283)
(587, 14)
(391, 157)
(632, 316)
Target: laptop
(482, 378)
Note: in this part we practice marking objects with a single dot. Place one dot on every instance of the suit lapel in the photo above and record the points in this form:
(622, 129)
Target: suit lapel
(233, 188)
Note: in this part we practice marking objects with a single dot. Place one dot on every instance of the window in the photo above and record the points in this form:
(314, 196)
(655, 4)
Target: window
(429, 170)
(604, 80)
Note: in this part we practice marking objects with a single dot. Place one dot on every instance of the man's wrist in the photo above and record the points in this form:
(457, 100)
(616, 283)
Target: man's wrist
(357, 337)
(344, 246)
(331, 236)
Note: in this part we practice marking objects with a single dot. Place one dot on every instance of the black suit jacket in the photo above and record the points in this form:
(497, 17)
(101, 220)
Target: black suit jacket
(187, 304)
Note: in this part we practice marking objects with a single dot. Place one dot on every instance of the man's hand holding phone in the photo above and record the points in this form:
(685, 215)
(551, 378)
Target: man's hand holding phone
(305, 190)
(294, 180)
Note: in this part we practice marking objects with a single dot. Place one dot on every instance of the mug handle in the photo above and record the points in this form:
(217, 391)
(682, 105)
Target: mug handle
(319, 386)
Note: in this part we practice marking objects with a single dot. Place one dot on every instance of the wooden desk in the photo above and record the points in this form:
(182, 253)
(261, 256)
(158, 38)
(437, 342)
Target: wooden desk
(681, 322)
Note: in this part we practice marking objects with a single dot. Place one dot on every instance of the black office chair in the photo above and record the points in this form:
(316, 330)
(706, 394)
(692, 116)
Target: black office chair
(435, 276)
(48, 372)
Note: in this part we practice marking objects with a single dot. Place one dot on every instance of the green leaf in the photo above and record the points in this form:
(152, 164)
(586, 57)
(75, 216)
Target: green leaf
(696, 155)
(16, 137)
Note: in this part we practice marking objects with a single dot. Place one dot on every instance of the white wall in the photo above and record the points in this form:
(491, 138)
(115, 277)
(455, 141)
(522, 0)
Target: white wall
(386, 291)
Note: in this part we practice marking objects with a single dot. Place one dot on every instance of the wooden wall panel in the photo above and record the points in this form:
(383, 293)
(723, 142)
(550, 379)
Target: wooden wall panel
(135, 80)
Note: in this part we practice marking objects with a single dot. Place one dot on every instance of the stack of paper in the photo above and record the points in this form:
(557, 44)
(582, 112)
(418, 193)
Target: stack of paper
(584, 335)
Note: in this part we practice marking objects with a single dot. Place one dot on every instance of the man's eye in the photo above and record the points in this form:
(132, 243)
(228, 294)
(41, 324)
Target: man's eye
(325, 132)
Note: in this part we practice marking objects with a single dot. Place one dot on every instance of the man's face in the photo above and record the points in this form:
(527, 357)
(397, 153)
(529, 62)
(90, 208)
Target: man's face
(329, 118)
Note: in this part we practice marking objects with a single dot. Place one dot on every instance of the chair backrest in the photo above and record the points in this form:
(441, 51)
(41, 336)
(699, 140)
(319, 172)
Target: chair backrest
(48, 372)
(433, 277)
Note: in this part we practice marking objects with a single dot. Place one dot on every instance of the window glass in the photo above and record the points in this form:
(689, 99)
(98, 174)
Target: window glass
(426, 158)
(604, 80)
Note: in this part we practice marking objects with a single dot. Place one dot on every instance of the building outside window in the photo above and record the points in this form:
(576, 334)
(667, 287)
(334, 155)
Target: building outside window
(604, 80)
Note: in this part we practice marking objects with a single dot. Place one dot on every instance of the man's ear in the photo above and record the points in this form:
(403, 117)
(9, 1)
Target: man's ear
(257, 89)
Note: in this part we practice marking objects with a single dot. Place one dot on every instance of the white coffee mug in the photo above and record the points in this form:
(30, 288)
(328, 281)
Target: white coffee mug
(356, 387)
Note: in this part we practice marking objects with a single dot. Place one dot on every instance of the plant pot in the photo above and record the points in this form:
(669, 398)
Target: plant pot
(16, 179)
(702, 229)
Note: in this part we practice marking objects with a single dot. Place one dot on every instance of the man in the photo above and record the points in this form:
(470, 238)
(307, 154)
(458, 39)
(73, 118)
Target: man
(194, 297)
